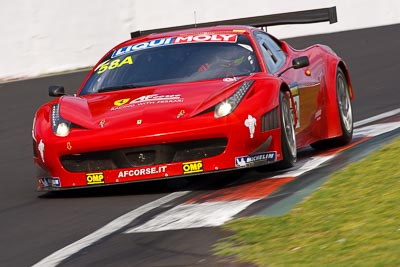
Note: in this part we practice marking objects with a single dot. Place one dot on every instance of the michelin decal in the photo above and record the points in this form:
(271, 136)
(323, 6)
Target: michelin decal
(247, 161)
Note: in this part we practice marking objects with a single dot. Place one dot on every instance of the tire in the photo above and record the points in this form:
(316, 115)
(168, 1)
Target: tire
(345, 115)
(288, 134)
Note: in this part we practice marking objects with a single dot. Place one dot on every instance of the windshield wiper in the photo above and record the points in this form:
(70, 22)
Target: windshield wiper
(119, 87)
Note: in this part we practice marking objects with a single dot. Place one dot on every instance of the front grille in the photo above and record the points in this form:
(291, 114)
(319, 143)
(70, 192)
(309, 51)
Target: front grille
(144, 155)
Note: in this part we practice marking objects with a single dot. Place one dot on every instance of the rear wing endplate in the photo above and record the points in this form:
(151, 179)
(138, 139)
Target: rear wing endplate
(298, 17)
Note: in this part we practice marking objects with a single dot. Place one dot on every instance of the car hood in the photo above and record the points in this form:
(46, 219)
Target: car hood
(148, 105)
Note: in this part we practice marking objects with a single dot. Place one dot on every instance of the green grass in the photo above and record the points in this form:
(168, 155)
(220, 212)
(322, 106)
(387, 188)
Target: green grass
(352, 220)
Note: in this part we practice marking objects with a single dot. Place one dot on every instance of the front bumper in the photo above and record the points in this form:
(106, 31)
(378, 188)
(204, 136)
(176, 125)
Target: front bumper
(104, 157)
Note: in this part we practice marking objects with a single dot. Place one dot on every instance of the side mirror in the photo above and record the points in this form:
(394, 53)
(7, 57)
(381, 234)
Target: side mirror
(297, 63)
(300, 62)
(56, 90)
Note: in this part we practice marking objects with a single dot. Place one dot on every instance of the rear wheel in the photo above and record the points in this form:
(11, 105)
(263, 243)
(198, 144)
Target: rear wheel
(345, 114)
(345, 110)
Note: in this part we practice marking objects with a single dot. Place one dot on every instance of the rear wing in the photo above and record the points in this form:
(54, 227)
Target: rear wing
(298, 17)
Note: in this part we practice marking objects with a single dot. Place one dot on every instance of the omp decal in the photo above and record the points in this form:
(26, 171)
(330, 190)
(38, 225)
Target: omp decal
(192, 167)
(246, 161)
(251, 123)
(41, 149)
(230, 38)
(95, 178)
(142, 171)
(116, 63)
(121, 102)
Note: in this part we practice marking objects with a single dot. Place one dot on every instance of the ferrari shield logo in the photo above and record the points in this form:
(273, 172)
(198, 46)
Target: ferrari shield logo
(121, 102)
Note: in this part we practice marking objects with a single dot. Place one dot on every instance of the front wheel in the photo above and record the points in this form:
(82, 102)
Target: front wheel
(288, 135)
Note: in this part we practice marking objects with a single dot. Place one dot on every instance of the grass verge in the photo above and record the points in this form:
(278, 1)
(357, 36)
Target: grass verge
(352, 220)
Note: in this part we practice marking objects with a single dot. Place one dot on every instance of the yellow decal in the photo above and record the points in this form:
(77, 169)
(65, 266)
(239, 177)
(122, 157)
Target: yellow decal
(295, 91)
(110, 65)
(192, 167)
(69, 146)
(121, 102)
(95, 178)
(296, 100)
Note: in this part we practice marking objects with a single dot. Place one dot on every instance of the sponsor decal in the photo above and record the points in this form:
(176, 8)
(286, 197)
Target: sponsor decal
(230, 38)
(41, 149)
(102, 123)
(239, 31)
(113, 64)
(318, 114)
(121, 102)
(150, 100)
(294, 88)
(56, 182)
(156, 98)
(234, 79)
(250, 123)
(46, 182)
(181, 113)
(145, 45)
(246, 161)
(95, 178)
(142, 171)
(192, 167)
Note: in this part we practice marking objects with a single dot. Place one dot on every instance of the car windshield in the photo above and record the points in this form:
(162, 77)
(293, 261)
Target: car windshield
(161, 61)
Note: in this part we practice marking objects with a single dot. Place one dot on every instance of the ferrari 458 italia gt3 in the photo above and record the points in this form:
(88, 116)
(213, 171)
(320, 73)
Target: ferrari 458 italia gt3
(192, 101)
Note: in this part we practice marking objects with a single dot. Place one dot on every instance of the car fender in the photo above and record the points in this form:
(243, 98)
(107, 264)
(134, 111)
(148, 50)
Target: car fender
(332, 116)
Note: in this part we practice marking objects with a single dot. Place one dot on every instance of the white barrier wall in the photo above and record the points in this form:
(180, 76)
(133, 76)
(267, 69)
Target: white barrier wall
(45, 36)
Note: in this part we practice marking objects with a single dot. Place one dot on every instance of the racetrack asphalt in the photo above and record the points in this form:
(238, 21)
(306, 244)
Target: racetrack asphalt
(35, 224)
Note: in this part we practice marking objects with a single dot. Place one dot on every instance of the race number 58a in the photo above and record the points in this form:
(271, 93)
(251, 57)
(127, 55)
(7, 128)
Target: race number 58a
(117, 63)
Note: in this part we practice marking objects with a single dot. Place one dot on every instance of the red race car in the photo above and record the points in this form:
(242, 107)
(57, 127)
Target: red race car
(189, 101)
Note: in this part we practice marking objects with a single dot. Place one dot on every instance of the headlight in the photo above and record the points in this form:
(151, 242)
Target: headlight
(227, 106)
(60, 126)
